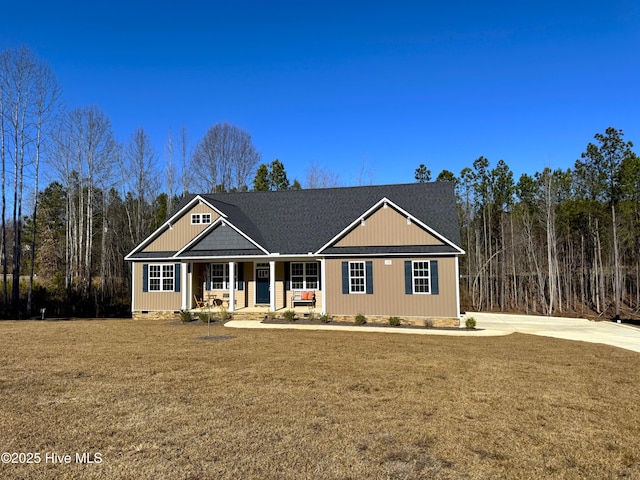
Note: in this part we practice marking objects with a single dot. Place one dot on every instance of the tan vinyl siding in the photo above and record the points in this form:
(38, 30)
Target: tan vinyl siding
(387, 227)
(389, 297)
(181, 231)
(154, 301)
(249, 275)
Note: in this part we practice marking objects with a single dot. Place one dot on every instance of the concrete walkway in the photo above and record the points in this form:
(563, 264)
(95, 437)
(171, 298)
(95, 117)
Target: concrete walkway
(494, 324)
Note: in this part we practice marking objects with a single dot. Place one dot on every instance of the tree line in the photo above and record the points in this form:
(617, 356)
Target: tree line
(555, 242)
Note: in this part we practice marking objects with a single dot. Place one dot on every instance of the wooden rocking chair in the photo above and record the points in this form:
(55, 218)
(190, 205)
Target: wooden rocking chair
(199, 303)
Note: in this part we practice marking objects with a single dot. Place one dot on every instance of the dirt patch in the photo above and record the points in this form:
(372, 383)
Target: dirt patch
(216, 337)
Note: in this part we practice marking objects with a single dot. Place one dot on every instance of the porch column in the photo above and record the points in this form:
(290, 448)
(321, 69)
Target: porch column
(272, 286)
(232, 286)
(323, 286)
(457, 277)
(185, 274)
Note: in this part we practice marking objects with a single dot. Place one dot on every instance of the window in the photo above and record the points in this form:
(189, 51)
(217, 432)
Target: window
(198, 218)
(219, 276)
(304, 275)
(357, 277)
(421, 277)
(161, 278)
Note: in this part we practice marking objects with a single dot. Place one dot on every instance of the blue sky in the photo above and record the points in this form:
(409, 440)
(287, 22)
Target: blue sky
(376, 87)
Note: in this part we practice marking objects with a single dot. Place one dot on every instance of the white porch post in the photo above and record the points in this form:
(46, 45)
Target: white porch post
(185, 273)
(232, 286)
(457, 277)
(134, 266)
(272, 286)
(323, 285)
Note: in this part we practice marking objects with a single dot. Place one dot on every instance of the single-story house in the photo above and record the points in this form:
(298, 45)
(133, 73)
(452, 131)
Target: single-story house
(387, 250)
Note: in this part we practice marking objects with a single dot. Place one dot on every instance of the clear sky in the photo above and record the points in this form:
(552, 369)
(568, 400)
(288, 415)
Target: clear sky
(353, 86)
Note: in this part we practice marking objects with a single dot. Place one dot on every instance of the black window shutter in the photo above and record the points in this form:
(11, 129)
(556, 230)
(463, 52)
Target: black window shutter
(433, 269)
(319, 275)
(345, 277)
(369, 274)
(408, 277)
(176, 273)
(145, 277)
(240, 276)
(287, 275)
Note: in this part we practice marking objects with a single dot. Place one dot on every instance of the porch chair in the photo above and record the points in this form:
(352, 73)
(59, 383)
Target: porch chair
(199, 303)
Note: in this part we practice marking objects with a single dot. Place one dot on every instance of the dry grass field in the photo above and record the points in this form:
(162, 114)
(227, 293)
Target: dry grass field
(157, 400)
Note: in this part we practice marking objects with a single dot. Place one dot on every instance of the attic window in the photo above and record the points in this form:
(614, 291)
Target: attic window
(200, 218)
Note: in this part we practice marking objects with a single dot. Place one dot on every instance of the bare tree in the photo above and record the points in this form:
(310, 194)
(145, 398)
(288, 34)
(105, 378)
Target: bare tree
(171, 171)
(319, 177)
(140, 160)
(224, 159)
(46, 98)
(184, 157)
(86, 153)
(28, 92)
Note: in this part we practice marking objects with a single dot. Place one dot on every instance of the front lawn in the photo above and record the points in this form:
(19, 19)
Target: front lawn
(159, 400)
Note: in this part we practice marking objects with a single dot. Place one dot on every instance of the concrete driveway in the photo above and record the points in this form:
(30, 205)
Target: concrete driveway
(609, 333)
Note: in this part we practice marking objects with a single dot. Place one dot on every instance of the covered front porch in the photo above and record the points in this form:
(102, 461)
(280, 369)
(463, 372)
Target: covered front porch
(257, 286)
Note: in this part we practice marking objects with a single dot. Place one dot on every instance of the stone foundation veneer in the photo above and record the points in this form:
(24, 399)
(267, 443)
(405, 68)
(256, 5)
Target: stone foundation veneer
(375, 319)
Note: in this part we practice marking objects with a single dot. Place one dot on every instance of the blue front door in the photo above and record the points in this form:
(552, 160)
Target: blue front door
(262, 286)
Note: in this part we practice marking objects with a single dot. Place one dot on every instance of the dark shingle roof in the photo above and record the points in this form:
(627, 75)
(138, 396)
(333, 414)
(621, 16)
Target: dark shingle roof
(302, 221)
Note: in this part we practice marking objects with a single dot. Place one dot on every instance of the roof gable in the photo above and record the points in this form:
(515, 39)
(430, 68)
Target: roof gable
(386, 226)
(221, 239)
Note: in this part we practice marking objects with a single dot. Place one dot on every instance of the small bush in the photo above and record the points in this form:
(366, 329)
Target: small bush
(271, 315)
(289, 315)
(222, 313)
(185, 316)
(394, 321)
(470, 323)
(204, 317)
(324, 318)
(360, 319)
(428, 323)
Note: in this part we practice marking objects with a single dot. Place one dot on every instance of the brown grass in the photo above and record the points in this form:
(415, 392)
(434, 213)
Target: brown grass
(159, 401)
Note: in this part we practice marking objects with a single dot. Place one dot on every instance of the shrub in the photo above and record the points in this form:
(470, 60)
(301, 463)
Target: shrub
(289, 315)
(185, 316)
(428, 323)
(394, 321)
(470, 323)
(360, 319)
(324, 318)
(204, 317)
(222, 313)
(271, 315)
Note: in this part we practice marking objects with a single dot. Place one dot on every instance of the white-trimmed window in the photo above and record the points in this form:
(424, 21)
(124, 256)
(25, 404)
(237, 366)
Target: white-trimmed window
(219, 276)
(421, 277)
(161, 278)
(304, 276)
(200, 218)
(357, 277)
